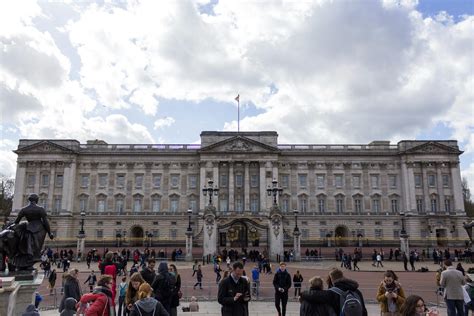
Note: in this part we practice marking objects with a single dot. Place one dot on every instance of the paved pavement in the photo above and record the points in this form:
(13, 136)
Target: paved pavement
(369, 278)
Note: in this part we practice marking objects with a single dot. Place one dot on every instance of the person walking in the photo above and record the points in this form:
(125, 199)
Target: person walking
(309, 309)
(91, 280)
(147, 305)
(255, 280)
(195, 267)
(122, 293)
(405, 261)
(390, 295)
(71, 288)
(281, 283)
(52, 281)
(234, 293)
(198, 278)
(217, 271)
(297, 281)
(379, 260)
(452, 281)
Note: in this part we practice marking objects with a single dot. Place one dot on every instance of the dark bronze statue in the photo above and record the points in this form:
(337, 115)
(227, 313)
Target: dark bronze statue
(23, 242)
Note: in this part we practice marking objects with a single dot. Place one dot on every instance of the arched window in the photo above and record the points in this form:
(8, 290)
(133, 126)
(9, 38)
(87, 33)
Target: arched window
(321, 203)
(174, 203)
(156, 203)
(303, 203)
(101, 203)
(376, 203)
(137, 203)
(119, 204)
(358, 200)
(339, 204)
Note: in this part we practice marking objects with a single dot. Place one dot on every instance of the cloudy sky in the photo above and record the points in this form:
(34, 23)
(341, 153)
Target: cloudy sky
(317, 71)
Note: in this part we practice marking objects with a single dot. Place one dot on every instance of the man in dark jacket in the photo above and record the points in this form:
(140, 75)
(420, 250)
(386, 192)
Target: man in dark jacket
(148, 273)
(281, 282)
(234, 293)
(331, 297)
(164, 286)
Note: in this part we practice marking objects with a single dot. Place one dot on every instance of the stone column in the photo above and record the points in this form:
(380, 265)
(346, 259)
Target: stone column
(189, 245)
(19, 187)
(52, 178)
(246, 187)
(297, 244)
(262, 186)
(231, 187)
(215, 178)
(426, 194)
(439, 186)
(69, 179)
(203, 182)
(81, 244)
(37, 178)
(210, 231)
(456, 187)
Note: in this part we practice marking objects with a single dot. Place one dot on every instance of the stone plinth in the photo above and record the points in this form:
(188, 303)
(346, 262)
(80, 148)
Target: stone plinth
(15, 296)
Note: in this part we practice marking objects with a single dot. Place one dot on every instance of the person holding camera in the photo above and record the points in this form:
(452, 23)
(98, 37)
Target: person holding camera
(390, 295)
(234, 293)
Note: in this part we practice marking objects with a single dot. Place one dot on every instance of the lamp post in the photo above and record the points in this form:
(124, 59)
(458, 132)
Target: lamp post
(83, 216)
(81, 237)
(210, 189)
(150, 236)
(275, 191)
(189, 238)
(119, 237)
(296, 238)
(404, 246)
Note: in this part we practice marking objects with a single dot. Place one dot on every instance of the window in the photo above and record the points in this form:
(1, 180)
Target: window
(156, 233)
(339, 205)
(322, 205)
(434, 205)
(374, 179)
(305, 233)
(431, 180)
(83, 202)
(101, 204)
(157, 181)
(173, 234)
(323, 232)
(57, 204)
(419, 204)
(320, 181)
(137, 204)
(120, 180)
(84, 180)
(59, 180)
(396, 233)
(338, 180)
(378, 233)
(358, 205)
(192, 181)
(31, 180)
(254, 204)
(174, 180)
(303, 204)
(376, 205)
(193, 204)
(224, 180)
(119, 204)
(238, 180)
(44, 180)
(138, 180)
(99, 233)
(223, 206)
(102, 180)
(445, 180)
(174, 205)
(254, 180)
(284, 181)
(302, 180)
(43, 201)
(392, 180)
(356, 181)
(323, 223)
(239, 208)
(418, 180)
(156, 204)
(394, 203)
(447, 205)
(285, 204)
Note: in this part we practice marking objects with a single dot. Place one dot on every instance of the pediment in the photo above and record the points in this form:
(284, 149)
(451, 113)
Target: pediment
(433, 148)
(239, 144)
(44, 147)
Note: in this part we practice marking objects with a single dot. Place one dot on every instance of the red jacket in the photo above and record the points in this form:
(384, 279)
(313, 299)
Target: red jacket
(99, 303)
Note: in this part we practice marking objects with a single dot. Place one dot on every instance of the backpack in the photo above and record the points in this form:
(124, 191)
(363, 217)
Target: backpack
(142, 312)
(350, 302)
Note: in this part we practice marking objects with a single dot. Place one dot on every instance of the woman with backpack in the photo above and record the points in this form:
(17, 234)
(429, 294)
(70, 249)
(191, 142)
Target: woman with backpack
(122, 293)
(390, 295)
(100, 300)
(147, 305)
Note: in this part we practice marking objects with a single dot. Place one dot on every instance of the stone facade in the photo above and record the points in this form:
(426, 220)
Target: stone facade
(353, 195)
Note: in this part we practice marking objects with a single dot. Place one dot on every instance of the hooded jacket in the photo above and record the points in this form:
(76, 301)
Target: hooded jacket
(146, 306)
(69, 307)
(101, 300)
(164, 286)
(31, 311)
(332, 298)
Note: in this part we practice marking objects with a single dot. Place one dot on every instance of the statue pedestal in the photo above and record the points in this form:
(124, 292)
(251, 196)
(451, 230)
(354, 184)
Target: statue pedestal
(189, 246)
(81, 244)
(297, 245)
(15, 296)
(404, 246)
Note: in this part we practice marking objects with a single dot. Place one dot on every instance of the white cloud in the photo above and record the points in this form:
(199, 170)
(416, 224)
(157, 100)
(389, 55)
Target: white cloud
(164, 122)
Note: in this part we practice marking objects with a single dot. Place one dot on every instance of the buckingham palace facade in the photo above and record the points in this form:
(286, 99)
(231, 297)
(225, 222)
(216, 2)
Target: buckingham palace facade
(345, 195)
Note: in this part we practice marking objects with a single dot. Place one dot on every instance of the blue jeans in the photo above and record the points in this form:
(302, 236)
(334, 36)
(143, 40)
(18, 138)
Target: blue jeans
(455, 307)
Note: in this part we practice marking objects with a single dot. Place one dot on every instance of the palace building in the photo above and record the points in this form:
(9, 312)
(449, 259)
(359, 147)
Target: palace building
(345, 195)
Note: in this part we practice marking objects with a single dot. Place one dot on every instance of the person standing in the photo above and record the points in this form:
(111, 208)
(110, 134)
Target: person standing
(148, 272)
(309, 309)
(177, 293)
(71, 288)
(217, 271)
(52, 281)
(405, 261)
(100, 300)
(234, 293)
(122, 293)
(131, 296)
(390, 295)
(281, 283)
(198, 278)
(297, 281)
(452, 281)
(255, 280)
(91, 280)
(147, 305)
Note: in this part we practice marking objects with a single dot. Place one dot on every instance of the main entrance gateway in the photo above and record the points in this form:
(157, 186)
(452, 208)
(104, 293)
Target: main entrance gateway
(242, 233)
(137, 235)
(341, 233)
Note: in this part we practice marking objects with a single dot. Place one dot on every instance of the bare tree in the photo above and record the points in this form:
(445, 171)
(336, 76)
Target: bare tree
(466, 195)
(7, 186)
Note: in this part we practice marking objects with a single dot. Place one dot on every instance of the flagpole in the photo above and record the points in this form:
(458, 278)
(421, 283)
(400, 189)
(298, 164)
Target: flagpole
(238, 115)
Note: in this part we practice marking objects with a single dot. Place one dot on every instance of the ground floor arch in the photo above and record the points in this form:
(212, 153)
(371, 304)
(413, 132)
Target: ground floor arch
(136, 236)
(341, 235)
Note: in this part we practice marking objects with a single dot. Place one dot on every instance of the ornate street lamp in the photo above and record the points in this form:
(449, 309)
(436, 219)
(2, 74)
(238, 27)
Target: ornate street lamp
(275, 191)
(296, 220)
(150, 236)
(190, 212)
(83, 216)
(210, 189)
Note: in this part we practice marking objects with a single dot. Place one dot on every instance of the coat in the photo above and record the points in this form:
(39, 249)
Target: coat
(101, 300)
(310, 309)
(452, 280)
(382, 299)
(71, 289)
(282, 279)
(146, 306)
(225, 296)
